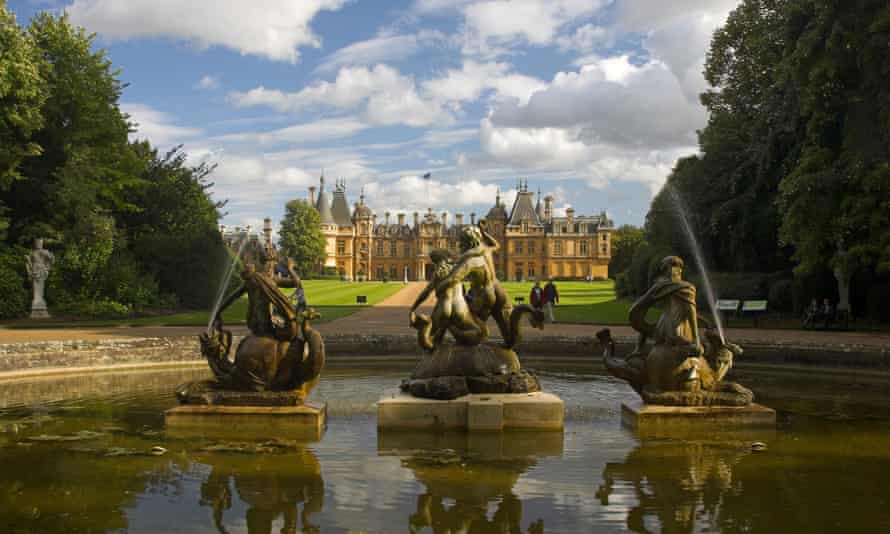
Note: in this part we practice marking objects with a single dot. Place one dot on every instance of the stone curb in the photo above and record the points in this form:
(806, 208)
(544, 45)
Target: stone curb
(17, 357)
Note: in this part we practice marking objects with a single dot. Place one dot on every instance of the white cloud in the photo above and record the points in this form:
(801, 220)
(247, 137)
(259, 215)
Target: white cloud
(677, 33)
(446, 138)
(389, 97)
(468, 83)
(410, 193)
(586, 38)
(613, 101)
(380, 49)
(274, 29)
(207, 82)
(320, 130)
(156, 126)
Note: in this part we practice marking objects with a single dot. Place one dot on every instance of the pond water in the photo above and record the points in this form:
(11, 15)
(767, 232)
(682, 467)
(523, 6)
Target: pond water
(74, 457)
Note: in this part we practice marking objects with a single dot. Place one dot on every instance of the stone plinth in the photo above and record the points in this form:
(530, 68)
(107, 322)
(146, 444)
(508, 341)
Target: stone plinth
(647, 417)
(304, 421)
(475, 412)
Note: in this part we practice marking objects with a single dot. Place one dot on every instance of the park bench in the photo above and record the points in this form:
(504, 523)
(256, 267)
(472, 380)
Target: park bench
(726, 307)
(519, 300)
(361, 299)
(755, 308)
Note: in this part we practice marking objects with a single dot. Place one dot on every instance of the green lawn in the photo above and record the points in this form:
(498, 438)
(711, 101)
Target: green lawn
(332, 298)
(580, 302)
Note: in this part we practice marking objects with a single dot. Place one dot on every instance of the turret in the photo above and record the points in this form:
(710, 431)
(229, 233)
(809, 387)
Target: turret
(570, 218)
(548, 209)
(312, 195)
(387, 218)
(401, 219)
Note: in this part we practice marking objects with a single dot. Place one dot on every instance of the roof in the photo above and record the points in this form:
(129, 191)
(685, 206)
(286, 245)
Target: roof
(323, 206)
(523, 209)
(340, 208)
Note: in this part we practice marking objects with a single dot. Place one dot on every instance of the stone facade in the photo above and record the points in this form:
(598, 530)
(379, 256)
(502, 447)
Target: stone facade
(535, 244)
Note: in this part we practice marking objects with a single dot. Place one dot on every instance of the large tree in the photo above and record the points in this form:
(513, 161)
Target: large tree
(22, 95)
(300, 236)
(836, 198)
(625, 241)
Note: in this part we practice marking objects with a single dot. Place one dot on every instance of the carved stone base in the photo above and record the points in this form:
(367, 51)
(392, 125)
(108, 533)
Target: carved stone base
(306, 421)
(460, 360)
(39, 313)
(452, 387)
(530, 411)
(208, 393)
(651, 417)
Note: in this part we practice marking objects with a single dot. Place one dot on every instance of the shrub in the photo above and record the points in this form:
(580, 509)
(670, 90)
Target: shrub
(780, 295)
(100, 309)
(878, 302)
(621, 285)
(14, 284)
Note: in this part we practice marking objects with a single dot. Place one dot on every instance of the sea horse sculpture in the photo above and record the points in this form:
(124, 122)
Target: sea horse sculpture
(470, 364)
(283, 353)
(680, 369)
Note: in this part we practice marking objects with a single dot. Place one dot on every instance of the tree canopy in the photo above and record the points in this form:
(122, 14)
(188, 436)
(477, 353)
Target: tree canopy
(300, 236)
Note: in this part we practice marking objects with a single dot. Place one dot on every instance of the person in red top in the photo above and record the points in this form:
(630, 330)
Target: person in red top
(536, 297)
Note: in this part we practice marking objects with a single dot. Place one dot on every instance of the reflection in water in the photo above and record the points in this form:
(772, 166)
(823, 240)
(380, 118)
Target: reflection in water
(269, 489)
(676, 483)
(468, 479)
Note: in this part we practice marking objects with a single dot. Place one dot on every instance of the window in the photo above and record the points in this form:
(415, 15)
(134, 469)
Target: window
(364, 247)
(557, 248)
(531, 251)
(380, 249)
(605, 250)
(517, 247)
(392, 272)
(407, 251)
(605, 237)
(392, 248)
(429, 247)
(380, 272)
(341, 247)
(583, 248)
(531, 270)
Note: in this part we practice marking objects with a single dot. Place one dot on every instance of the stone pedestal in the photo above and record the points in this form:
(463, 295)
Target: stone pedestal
(474, 412)
(38, 311)
(292, 422)
(647, 417)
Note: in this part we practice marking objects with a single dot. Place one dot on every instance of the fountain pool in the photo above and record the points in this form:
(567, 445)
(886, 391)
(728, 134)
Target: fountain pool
(75, 457)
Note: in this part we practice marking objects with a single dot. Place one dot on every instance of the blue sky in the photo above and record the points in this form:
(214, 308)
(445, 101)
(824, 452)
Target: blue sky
(592, 101)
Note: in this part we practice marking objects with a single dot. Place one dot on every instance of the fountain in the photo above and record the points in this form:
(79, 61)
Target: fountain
(470, 383)
(274, 367)
(680, 379)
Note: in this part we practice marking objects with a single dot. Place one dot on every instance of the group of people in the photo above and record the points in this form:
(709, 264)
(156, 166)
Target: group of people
(816, 312)
(544, 298)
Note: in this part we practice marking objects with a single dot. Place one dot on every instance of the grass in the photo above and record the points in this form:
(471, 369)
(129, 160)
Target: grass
(332, 298)
(580, 302)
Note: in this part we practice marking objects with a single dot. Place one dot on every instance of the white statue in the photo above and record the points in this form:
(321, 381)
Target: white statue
(38, 264)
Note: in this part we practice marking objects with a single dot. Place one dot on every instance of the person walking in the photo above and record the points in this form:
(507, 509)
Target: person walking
(551, 298)
(536, 297)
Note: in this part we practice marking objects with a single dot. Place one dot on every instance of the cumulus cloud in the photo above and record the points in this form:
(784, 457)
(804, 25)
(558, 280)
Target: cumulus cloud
(467, 83)
(274, 29)
(446, 138)
(389, 97)
(410, 193)
(613, 101)
(157, 126)
(534, 21)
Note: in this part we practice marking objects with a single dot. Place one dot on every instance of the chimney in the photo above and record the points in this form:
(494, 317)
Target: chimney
(570, 215)
(459, 219)
(548, 208)
(401, 219)
(444, 219)
(472, 218)
(267, 229)
(416, 219)
(387, 218)
(312, 196)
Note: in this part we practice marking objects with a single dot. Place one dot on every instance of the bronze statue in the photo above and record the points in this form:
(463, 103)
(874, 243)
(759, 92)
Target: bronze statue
(681, 369)
(280, 361)
(469, 364)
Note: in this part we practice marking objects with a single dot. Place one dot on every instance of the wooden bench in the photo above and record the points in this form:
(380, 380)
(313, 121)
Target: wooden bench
(754, 307)
(727, 306)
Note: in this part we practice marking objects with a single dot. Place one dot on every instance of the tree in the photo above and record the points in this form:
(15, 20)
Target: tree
(300, 236)
(836, 198)
(625, 241)
(22, 94)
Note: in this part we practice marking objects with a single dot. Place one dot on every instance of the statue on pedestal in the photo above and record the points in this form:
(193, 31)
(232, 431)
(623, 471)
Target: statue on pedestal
(681, 369)
(281, 360)
(38, 264)
(470, 364)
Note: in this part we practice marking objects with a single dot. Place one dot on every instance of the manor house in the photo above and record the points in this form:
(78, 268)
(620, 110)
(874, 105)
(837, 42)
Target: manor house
(535, 244)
